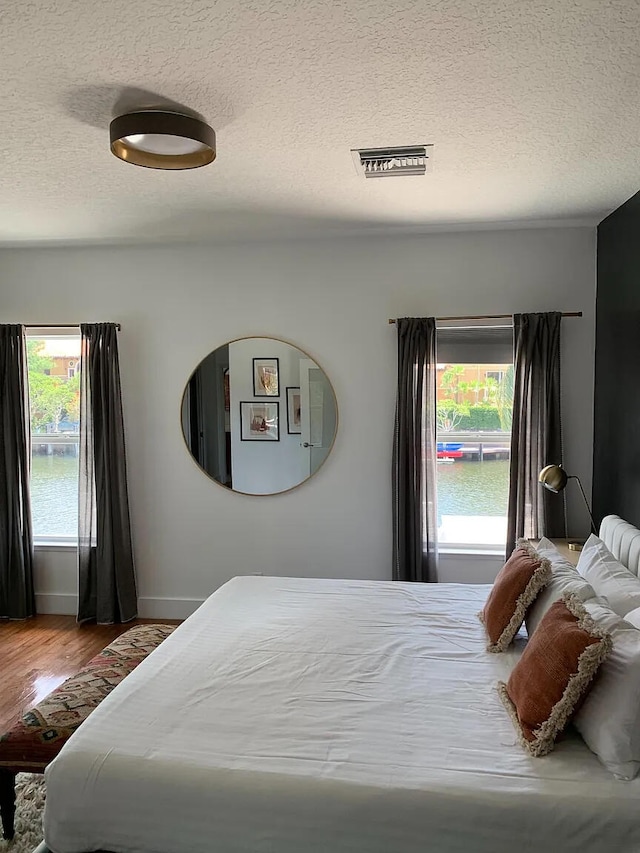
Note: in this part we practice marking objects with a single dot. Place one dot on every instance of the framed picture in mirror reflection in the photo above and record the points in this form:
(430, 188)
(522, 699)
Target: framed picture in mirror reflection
(294, 421)
(259, 421)
(266, 379)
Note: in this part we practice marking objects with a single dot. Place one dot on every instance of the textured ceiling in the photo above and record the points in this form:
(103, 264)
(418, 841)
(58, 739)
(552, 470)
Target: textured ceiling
(533, 107)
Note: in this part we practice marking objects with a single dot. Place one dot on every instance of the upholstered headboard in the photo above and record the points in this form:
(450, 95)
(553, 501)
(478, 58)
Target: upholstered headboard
(623, 540)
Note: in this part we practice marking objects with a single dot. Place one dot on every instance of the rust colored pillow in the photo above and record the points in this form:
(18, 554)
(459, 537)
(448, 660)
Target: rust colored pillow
(554, 674)
(518, 583)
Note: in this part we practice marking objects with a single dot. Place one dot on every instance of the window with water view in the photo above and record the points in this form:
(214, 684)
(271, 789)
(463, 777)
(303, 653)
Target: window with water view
(54, 398)
(474, 407)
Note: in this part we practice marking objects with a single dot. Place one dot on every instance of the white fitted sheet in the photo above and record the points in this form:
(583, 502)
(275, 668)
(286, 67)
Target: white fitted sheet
(327, 716)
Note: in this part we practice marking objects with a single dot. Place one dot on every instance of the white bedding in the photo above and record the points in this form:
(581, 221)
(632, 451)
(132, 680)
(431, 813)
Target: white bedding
(309, 716)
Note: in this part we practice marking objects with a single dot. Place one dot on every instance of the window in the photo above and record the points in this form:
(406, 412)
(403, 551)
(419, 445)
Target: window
(474, 407)
(494, 375)
(54, 397)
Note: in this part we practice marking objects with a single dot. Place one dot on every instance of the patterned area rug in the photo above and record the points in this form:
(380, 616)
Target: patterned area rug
(30, 796)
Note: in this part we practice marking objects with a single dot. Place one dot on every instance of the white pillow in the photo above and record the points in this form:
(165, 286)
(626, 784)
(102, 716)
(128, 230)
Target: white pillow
(609, 720)
(564, 578)
(609, 578)
(633, 617)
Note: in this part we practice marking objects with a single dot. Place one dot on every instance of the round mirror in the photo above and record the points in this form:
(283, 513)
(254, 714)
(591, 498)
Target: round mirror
(259, 416)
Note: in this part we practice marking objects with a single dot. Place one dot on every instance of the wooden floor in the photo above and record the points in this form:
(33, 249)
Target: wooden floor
(38, 654)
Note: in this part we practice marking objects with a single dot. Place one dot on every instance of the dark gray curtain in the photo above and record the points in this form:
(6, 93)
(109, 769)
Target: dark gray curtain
(16, 537)
(536, 436)
(414, 453)
(106, 574)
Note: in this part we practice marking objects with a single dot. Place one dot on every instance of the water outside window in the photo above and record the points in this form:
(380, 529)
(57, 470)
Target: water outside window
(54, 398)
(474, 411)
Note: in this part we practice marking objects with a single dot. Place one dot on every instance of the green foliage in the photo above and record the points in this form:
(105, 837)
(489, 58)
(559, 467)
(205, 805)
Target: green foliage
(452, 384)
(37, 362)
(481, 418)
(460, 417)
(51, 398)
(450, 415)
(495, 413)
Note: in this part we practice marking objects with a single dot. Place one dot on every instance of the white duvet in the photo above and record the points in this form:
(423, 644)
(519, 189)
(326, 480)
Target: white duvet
(327, 716)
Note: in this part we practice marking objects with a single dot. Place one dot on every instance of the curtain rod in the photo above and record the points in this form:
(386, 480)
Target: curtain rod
(66, 326)
(497, 317)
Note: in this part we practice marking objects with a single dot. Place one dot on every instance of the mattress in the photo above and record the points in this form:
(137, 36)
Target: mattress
(291, 715)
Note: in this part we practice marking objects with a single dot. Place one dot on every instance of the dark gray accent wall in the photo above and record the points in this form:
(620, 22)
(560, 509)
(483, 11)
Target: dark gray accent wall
(616, 453)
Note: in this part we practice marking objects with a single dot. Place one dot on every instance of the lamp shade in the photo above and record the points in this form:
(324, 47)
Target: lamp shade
(553, 477)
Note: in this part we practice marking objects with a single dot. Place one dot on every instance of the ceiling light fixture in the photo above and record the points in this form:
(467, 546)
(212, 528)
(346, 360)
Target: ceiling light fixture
(158, 139)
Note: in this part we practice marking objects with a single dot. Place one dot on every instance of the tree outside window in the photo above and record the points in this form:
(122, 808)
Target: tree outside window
(52, 398)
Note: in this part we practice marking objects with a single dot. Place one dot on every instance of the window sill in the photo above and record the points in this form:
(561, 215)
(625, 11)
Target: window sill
(471, 551)
(55, 545)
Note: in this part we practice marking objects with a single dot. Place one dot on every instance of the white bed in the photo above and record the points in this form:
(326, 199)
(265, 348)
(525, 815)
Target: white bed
(291, 715)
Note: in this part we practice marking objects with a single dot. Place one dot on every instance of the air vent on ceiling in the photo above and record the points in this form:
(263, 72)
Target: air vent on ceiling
(389, 162)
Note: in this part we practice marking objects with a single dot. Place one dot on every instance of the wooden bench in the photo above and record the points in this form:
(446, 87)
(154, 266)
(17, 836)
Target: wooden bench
(38, 737)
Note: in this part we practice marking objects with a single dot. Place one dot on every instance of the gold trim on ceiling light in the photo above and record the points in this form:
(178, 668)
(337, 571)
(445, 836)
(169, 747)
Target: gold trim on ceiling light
(159, 122)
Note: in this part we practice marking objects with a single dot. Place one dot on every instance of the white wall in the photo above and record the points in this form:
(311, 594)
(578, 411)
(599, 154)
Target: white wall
(332, 298)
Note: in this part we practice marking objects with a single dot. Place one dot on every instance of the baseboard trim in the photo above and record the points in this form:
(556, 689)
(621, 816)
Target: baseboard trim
(167, 608)
(57, 603)
(62, 604)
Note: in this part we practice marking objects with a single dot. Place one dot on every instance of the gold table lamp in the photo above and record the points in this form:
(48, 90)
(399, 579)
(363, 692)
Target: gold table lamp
(555, 478)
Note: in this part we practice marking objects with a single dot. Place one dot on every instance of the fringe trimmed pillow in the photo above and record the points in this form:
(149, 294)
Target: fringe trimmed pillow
(554, 673)
(515, 588)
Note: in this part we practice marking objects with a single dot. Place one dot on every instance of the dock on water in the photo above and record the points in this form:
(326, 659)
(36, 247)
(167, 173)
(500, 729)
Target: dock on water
(476, 446)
